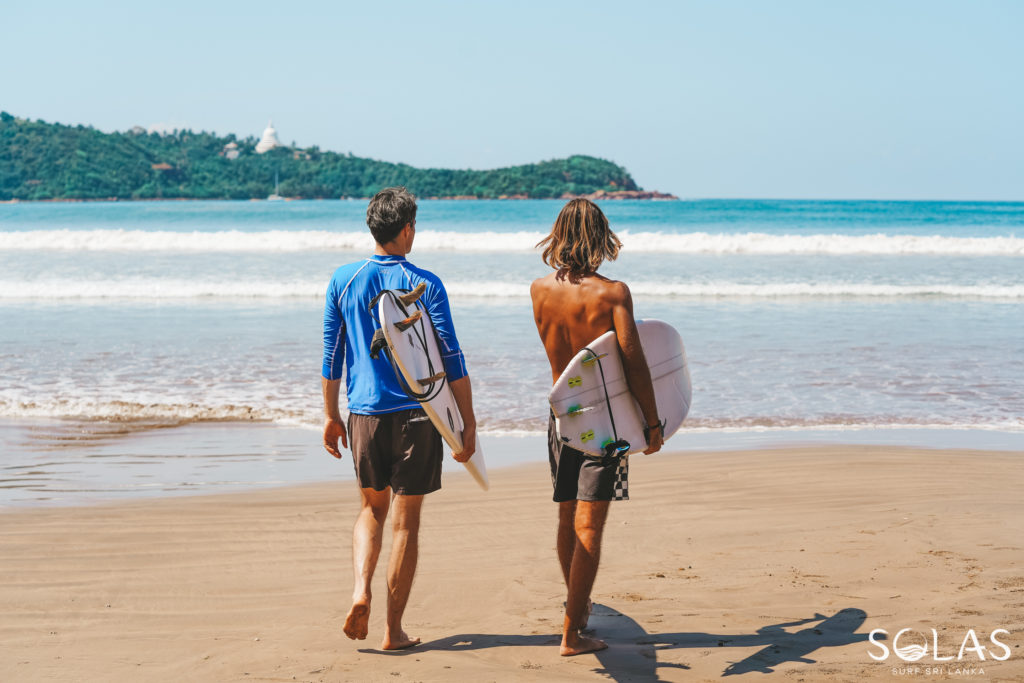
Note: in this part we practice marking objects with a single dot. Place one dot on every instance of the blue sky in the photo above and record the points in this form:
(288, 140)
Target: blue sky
(703, 99)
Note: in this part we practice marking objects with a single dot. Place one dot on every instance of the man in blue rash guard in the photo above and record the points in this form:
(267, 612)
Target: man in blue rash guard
(396, 450)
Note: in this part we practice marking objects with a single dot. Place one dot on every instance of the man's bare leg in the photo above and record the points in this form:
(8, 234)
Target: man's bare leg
(566, 536)
(588, 527)
(566, 547)
(402, 568)
(366, 542)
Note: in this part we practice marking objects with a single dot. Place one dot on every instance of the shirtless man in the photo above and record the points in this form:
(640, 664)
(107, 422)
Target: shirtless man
(396, 450)
(573, 306)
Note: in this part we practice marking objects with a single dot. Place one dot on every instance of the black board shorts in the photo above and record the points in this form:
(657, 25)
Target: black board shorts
(576, 475)
(402, 450)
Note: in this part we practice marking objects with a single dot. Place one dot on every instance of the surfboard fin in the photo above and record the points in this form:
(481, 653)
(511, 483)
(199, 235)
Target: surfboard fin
(377, 343)
(430, 380)
(403, 325)
(615, 448)
(410, 298)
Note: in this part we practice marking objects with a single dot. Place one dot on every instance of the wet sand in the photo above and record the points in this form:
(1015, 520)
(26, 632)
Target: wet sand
(738, 563)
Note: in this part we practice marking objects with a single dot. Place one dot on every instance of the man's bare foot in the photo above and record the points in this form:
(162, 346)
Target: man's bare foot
(579, 645)
(398, 642)
(358, 620)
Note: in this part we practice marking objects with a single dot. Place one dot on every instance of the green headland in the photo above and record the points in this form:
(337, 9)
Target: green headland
(52, 161)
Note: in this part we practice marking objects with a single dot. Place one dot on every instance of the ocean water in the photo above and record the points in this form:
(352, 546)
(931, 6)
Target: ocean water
(798, 316)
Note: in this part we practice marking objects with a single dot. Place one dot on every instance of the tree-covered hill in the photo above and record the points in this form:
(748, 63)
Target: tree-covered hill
(40, 160)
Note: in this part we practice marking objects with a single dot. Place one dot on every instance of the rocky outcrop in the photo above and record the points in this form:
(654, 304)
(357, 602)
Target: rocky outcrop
(621, 194)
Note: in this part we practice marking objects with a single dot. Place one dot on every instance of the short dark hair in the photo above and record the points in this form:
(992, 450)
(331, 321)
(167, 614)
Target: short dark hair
(389, 211)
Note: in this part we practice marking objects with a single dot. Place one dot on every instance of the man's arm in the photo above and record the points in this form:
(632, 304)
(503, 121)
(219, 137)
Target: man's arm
(463, 392)
(333, 364)
(638, 375)
(334, 427)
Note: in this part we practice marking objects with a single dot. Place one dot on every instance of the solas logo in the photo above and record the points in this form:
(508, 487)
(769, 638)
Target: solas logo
(912, 646)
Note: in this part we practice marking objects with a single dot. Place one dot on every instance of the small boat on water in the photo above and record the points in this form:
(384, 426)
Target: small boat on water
(275, 197)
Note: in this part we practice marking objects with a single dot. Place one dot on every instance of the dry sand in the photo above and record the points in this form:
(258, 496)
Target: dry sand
(722, 564)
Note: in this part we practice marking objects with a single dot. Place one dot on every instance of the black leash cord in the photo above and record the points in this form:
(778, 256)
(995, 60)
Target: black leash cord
(604, 385)
(421, 334)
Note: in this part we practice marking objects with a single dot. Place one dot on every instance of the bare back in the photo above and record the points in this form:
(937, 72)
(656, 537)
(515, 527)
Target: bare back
(571, 314)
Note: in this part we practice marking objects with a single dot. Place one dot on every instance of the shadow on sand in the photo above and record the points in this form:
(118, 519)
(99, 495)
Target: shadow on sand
(633, 652)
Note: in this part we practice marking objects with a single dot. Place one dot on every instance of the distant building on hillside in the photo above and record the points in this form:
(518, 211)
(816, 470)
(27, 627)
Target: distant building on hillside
(269, 140)
(230, 150)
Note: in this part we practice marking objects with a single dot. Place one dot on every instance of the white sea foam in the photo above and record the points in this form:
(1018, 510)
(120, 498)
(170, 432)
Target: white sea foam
(283, 241)
(158, 288)
(91, 408)
(852, 424)
(776, 290)
(809, 425)
(770, 290)
(148, 413)
(167, 289)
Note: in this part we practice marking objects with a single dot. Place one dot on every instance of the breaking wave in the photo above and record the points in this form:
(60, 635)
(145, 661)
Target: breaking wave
(146, 414)
(285, 241)
(170, 289)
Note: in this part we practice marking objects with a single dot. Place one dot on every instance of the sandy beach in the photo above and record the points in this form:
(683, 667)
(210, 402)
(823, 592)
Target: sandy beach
(739, 563)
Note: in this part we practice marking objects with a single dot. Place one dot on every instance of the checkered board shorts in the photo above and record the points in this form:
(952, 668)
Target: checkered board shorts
(619, 480)
(622, 479)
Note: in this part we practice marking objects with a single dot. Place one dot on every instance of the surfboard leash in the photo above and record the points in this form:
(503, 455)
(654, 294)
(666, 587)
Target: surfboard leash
(379, 343)
(620, 446)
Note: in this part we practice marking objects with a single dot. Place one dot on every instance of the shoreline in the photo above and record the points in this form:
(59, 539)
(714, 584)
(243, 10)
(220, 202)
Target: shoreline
(812, 200)
(600, 195)
(721, 563)
(508, 462)
(66, 463)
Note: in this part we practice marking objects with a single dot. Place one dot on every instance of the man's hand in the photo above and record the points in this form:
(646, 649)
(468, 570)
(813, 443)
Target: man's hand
(462, 390)
(468, 443)
(657, 440)
(334, 430)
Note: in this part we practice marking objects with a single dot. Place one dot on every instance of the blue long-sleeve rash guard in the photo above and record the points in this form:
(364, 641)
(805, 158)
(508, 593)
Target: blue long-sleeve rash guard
(348, 331)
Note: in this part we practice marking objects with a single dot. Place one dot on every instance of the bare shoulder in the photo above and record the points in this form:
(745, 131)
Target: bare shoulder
(543, 280)
(541, 284)
(615, 292)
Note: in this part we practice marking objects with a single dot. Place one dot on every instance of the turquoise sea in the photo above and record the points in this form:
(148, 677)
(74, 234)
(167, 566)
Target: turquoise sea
(842, 318)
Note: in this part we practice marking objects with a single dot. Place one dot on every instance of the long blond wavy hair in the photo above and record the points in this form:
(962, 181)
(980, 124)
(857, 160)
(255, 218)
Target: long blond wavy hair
(580, 239)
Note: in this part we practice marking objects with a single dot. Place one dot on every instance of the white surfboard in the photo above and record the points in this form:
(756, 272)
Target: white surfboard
(418, 357)
(581, 397)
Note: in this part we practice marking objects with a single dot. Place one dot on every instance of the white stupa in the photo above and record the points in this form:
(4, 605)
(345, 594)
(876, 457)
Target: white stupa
(269, 140)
